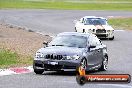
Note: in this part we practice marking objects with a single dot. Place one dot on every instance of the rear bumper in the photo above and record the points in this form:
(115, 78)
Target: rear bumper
(69, 65)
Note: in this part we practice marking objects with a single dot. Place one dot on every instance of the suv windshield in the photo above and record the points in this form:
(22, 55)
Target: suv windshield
(95, 21)
(69, 41)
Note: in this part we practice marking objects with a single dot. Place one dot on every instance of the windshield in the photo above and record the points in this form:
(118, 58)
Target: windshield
(95, 21)
(69, 41)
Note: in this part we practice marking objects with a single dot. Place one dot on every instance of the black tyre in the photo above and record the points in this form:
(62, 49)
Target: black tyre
(81, 80)
(38, 71)
(111, 38)
(75, 29)
(104, 65)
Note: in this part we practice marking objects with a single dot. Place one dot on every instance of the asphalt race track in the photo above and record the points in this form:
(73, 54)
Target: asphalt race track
(52, 21)
(55, 21)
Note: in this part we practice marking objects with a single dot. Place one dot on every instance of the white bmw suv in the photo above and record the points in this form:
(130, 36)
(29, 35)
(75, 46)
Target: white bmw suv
(96, 25)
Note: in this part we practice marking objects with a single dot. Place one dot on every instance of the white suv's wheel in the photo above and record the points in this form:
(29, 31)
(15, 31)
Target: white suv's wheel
(112, 38)
(75, 29)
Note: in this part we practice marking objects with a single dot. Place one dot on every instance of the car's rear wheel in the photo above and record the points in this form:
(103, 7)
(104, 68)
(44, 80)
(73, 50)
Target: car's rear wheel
(38, 71)
(104, 65)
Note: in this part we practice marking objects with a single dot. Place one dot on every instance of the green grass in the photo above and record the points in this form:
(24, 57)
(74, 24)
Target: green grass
(57, 4)
(11, 59)
(121, 23)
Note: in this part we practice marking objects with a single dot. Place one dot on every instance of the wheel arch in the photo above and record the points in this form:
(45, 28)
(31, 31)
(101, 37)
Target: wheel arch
(85, 59)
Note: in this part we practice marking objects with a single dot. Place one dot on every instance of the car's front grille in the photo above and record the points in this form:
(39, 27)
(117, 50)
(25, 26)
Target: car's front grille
(53, 56)
(101, 35)
(39, 65)
(100, 31)
(69, 67)
(53, 67)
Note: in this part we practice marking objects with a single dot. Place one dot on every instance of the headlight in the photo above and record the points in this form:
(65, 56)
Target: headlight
(109, 30)
(74, 57)
(39, 55)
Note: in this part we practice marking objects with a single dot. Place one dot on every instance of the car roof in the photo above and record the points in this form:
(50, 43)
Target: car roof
(75, 33)
(93, 17)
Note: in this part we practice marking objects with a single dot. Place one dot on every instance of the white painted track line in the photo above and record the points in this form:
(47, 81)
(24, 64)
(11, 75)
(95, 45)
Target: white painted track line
(16, 70)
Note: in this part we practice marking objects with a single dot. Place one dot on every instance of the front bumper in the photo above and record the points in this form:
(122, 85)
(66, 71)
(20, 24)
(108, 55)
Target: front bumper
(104, 35)
(54, 65)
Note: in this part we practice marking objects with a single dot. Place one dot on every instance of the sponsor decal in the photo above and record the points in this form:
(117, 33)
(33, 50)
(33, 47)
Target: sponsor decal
(99, 27)
(82, 78)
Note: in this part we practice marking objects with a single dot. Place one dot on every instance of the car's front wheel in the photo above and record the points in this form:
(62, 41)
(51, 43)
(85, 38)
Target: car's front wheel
(112, 38)
(38, 71)
(104, 65)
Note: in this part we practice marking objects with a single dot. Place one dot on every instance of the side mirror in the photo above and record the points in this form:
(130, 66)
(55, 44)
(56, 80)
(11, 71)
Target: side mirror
(92, 46)
(45, 43)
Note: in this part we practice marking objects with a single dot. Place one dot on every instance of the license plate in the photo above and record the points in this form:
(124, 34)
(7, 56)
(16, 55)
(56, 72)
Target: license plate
(53, 63)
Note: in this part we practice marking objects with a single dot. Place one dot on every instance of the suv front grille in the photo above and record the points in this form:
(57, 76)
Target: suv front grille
(102, 35)
(53, 56)
(100, 31)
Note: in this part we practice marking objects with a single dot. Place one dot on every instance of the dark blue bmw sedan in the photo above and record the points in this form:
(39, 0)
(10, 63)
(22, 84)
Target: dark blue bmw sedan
(69, 50)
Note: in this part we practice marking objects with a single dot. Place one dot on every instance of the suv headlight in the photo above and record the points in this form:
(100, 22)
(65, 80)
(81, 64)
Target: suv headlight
(74, 57)
(109, 30)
